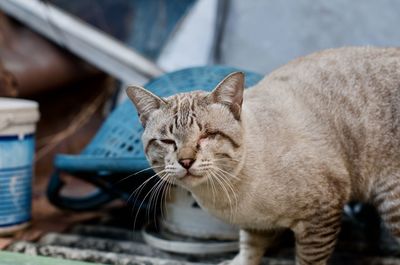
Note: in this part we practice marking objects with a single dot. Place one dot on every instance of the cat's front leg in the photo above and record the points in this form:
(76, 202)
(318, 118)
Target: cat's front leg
(252, 247)
(316, 238)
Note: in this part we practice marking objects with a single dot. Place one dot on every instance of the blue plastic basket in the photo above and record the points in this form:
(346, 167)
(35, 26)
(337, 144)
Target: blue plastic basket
(117, 147)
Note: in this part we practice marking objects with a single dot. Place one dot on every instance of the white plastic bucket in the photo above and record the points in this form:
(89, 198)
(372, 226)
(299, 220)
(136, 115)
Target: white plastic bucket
(17, 128)
(184, 217)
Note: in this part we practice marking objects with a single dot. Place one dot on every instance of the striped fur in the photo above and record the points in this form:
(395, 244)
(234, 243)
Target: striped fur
(289, 152)
(386, 198)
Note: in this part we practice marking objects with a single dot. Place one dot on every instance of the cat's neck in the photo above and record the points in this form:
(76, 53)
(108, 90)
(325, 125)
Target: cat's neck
(266, 139)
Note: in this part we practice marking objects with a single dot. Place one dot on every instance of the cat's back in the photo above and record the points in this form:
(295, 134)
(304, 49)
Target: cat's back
(351, 82)
(354, 93)
(349, 71)
(354, 80)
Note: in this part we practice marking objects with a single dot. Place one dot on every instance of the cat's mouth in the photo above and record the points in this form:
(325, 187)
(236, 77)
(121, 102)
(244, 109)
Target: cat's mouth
(190, 180)
(190, 175)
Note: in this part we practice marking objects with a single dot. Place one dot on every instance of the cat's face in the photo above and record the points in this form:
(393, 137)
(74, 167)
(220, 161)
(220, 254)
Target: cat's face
(193, 138)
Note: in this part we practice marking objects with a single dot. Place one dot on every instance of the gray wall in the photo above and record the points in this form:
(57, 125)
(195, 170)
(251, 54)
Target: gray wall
(261, 35)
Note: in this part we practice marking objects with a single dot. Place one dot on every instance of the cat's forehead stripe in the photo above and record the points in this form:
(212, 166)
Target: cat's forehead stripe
(184, 107)
(184, 112)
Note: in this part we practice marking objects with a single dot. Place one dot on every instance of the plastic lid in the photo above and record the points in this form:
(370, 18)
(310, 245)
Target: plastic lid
(11, 104)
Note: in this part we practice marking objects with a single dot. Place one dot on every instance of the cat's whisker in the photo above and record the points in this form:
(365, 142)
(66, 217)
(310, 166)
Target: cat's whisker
(142, 185)
(226, 172)
(209, 180)
(214, 188)
(230, 186)
(218, 180)
(157, 193)
(151, 197)
(154, 197)
(139, 189)
(144, 199)
(134, 174)
(164, 188)
(164, 197)
(151, 167)
(172, 186)
(150, 193)
(172, 182)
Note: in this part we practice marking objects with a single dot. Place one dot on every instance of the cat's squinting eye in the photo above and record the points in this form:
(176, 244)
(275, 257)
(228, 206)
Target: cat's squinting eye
(209, 135)
(167, 141)
(205, 136)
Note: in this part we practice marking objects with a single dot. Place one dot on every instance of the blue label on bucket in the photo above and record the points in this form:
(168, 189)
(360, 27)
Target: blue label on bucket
(16, 158)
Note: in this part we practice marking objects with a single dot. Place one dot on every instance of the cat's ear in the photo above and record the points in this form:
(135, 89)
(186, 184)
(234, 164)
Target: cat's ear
(144, 101)
(230, 92)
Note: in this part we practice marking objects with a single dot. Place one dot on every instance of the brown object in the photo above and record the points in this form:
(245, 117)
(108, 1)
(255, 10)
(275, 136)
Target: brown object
(70, 117)
(8, 83)
(35, 64)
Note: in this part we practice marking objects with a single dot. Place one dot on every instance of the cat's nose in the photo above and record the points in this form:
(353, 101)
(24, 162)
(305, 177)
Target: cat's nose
(186, 163)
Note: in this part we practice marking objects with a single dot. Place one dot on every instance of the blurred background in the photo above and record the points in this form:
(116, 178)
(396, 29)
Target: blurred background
(76, 57)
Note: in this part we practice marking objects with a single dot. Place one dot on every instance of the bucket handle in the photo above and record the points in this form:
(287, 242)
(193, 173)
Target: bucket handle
(5, 122)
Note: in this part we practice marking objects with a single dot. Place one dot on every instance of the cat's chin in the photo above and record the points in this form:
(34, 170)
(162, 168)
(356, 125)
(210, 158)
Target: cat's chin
(190, 180)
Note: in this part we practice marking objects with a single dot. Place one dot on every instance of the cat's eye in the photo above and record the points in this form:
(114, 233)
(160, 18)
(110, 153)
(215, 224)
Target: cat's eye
(213, 134)
(209, 134)
(168, 141)
(205, 136)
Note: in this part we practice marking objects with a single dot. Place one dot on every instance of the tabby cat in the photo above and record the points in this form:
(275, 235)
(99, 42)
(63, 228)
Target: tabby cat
(289, 152)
